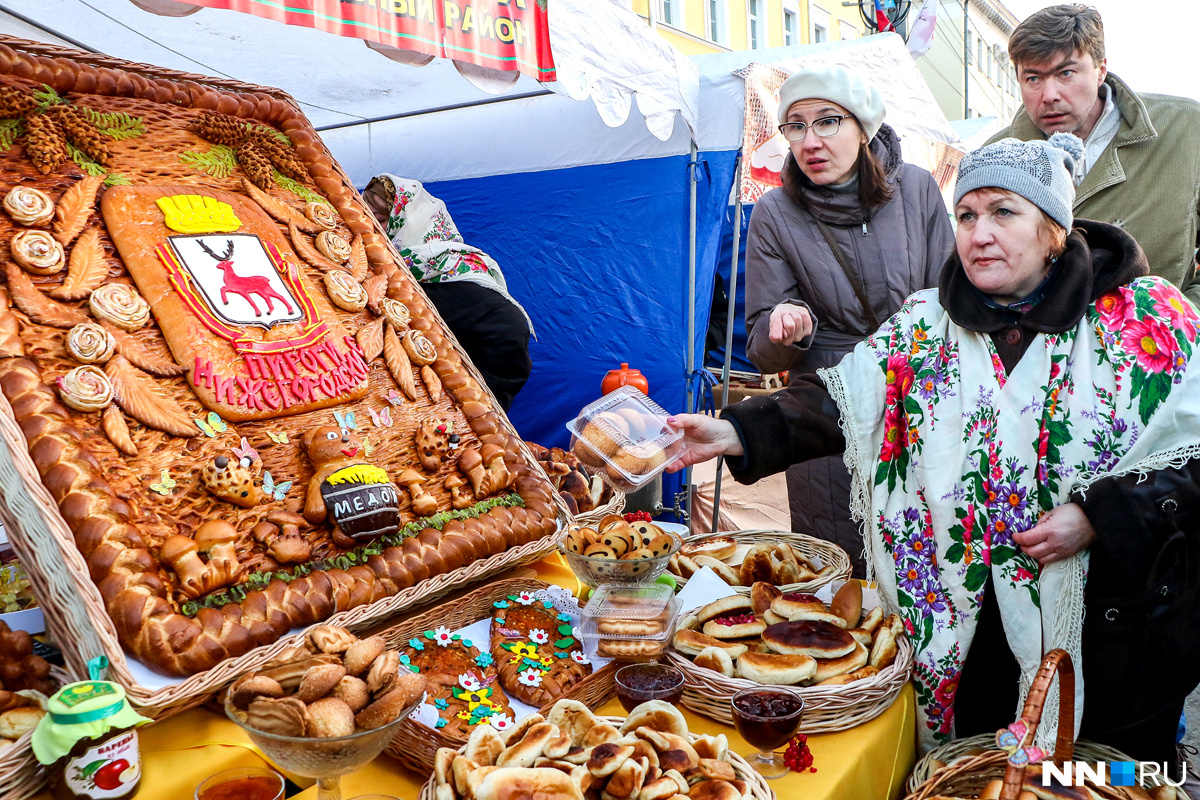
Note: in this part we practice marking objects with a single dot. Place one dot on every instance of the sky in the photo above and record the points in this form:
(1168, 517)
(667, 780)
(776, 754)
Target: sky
(1148, 42)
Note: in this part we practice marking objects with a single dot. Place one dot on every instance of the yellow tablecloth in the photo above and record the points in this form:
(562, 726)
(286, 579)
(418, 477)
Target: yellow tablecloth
(869, 762)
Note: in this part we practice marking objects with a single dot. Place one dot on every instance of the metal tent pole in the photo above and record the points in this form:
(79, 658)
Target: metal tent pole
(693, 176)
(733, 282)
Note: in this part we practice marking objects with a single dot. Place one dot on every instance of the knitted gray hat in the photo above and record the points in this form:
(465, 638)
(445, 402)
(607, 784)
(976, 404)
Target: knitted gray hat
(842, 87)
(1042, 172)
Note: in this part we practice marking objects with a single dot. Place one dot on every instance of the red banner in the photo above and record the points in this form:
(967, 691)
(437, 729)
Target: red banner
(508, 35)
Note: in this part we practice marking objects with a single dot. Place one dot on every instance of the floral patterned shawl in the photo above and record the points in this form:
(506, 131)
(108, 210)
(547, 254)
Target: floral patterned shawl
(421, 229)
(949, 457)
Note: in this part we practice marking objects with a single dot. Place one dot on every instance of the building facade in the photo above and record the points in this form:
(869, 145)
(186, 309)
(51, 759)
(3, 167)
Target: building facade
(714, 26)
(968, 69)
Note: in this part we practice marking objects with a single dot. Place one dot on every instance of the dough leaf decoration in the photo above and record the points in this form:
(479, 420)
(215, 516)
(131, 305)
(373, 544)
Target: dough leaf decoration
(398, 363)
(307, 251)
(278, 210)
(86, 268)
(112, 422)
(359, 265)
(140, 357)
(370, 339)
(36, 305)
(74, 207)
(134, 392)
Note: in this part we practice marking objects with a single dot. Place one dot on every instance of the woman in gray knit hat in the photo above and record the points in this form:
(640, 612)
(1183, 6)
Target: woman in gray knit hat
(847, 198)
(1023, 446)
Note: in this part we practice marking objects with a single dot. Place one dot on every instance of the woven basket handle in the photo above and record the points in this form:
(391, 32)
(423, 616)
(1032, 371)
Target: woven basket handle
(1056, 661)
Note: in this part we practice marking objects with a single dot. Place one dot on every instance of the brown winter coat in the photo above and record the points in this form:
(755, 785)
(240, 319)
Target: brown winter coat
(895, 250)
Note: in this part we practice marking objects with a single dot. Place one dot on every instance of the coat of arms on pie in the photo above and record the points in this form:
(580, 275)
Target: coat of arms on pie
(259, 340)
(537, 652)
(461, 682)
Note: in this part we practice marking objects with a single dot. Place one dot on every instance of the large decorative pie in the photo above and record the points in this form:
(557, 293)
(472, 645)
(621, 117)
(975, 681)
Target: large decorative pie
(538, 652)
(461, 682)
(244, 407)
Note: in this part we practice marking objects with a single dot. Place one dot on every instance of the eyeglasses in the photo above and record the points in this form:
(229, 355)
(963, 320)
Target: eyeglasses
(824, 127)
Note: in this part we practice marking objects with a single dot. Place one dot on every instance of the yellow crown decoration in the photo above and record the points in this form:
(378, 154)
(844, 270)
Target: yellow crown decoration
(193, 213)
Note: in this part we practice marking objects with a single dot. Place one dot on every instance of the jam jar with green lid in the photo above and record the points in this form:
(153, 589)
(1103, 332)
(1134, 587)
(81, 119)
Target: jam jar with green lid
(87, 738)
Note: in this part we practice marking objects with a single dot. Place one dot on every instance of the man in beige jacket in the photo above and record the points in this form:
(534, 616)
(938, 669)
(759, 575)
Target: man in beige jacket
(1141, 166)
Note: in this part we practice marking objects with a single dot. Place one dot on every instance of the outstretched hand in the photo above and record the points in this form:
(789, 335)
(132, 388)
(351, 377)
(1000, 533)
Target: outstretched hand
(1060, 533)
(789, 324)
(706, 437)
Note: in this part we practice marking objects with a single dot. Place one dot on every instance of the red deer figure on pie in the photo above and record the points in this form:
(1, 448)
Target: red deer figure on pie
(245, 285)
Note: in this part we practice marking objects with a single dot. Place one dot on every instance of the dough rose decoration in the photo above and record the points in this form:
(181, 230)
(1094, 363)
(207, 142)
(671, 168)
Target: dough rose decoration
(419, 348)
(345, 292)
(396, 313)
(85, 389)
(333, 246)
(321, 214)
(37, 252)
(29, 206)
(121, 305)
(90, 343)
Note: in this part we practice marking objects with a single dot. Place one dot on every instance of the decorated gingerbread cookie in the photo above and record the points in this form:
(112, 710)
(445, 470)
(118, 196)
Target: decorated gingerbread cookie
(461, 681)
(538, 653)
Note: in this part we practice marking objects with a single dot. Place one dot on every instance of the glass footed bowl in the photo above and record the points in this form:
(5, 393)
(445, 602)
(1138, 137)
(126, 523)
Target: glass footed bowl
(323, 759)
(594, 570)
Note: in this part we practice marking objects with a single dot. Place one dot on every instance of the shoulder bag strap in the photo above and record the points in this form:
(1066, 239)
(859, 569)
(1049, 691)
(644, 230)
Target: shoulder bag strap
(855, 284)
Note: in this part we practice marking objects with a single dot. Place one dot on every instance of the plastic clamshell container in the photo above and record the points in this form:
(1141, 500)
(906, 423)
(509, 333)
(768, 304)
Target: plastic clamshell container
(624, 436)
(631, 623)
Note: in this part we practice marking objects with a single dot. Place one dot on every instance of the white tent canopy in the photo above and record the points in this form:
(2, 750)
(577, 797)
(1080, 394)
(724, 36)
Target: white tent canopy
(602, 51)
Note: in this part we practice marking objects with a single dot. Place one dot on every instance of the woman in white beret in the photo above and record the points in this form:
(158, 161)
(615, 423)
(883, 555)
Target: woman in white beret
(852, 232)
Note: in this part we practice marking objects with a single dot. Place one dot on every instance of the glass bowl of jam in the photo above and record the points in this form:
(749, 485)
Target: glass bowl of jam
(767, 718)
(640, 683)
(242, 783)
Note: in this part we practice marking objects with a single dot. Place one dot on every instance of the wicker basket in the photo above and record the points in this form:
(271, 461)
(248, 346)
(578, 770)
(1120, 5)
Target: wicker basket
(949, 753)
(966, 777)
(615, 505)
(826, 708)
(21, 775)
(75, 613)
(416, 745)
(756, 784)
(808, 546)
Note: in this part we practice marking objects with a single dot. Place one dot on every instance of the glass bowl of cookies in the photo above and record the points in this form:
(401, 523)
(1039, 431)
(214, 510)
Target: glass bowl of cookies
(616, 551)
(327, 709)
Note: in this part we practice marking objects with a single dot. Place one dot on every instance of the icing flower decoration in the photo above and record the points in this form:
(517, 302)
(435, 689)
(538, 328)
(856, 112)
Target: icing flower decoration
(441, 723)
(441, 703)
(1010, 739)
(521, 650)
(484, 660)
(468, 682)
(577, 632)
(580, 657)
(524, 598)
(530, 677)
(538, 636)
(501, 604)
(416, 644)
(564, 618)
(546, 604)
(442, 636)
(500, 722)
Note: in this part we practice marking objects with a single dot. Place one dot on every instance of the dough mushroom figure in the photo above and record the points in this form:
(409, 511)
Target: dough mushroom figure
(356, 497)
(460, 492)
(216, 538)
(423, 503)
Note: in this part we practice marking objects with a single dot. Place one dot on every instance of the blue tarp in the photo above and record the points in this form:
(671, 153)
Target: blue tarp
(598, 256)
